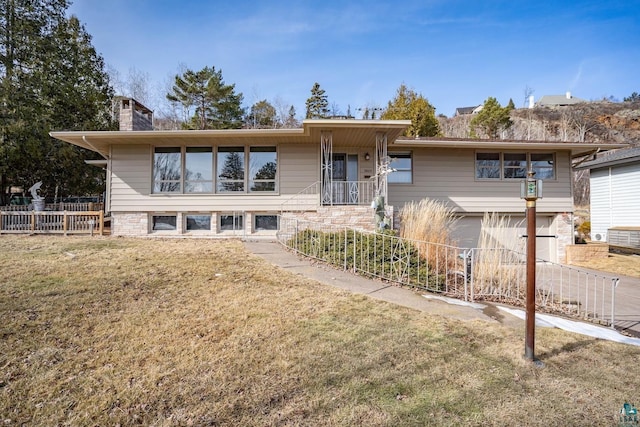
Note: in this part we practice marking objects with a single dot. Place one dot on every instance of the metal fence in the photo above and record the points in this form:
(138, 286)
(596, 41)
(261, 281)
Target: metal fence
(471, 274)
(65, 222)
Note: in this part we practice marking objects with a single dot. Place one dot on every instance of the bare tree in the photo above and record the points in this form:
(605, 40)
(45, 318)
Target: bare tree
(528, 91)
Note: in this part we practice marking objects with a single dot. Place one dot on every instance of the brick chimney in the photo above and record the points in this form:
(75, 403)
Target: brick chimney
(134, 115)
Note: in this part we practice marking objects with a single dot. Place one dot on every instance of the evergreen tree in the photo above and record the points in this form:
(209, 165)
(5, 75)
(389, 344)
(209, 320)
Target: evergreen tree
(409, 105)
(51, 78)
(492, 119)
(317, 104)
(291, 121)
(215, 105)
(634, 97)
(262, 115)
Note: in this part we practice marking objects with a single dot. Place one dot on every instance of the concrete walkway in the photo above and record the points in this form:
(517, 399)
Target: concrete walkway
(277, 254)
(627, 294)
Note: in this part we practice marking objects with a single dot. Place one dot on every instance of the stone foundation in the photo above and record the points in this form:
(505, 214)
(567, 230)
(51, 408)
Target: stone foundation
(129, 223)
(564, 231)
(358, 217)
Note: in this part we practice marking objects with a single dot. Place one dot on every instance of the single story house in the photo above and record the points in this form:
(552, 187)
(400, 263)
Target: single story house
(614, 179)
(559, 100)
(240, 182)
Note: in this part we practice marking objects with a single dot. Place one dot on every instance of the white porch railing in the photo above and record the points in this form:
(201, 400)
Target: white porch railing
(339, 193)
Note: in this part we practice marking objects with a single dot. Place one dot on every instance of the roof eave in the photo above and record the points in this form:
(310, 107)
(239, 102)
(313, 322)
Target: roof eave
(576, 148)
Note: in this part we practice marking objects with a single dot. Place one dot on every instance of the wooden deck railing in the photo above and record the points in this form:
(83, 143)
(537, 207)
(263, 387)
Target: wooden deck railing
(62, 206)
(53, 222)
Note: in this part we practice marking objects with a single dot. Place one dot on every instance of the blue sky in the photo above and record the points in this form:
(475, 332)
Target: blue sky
(455, 53)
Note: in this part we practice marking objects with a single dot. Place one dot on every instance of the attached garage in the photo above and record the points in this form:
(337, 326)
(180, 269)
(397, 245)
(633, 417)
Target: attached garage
(467, 234)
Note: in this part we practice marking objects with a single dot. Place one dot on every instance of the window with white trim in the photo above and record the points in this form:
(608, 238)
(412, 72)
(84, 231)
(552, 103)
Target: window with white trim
(198, 170)
(190, 170)
(263, 166)
(263, 222)
(195, 222)
(163, 222)
(401, 165)
(513, 165)
(230, 168)
(167, 170)
(231, 222)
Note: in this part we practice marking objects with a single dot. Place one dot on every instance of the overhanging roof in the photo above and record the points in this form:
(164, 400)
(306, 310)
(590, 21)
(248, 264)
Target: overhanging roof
(350, 132)
(355, 133)
(613, 158)
(576, 148)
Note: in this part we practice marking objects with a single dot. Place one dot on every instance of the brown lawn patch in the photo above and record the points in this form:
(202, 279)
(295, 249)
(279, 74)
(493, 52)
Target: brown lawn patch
(109, 331)
(624, 265)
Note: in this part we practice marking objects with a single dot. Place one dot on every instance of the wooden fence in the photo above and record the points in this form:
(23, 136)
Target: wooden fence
(52, 222)
(62, 206)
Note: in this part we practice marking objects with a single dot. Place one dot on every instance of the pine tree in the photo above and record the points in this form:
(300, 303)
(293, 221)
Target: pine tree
(492, 119)
(215, 105)
(317, 104)
(51, 78)
(409, 105)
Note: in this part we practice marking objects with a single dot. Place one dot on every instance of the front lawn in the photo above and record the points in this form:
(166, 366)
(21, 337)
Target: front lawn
(113, 331)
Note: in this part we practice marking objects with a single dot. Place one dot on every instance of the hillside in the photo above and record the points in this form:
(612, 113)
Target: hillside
(612, 122)
(603, 121)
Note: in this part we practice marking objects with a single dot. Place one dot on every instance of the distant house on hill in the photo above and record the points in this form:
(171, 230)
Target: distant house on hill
(559, 100)
(465, 111)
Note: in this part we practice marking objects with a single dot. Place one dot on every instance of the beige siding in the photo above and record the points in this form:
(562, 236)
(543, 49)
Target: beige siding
(130, 177)
(448, 175)
(298, 168)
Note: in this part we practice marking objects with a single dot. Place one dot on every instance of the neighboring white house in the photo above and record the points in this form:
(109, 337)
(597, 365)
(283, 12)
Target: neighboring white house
(615, 201)
(240, 182)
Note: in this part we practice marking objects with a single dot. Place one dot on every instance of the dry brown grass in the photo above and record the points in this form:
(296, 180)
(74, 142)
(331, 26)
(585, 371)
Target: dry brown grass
(621, 264)
(431, 222)
(108, 331)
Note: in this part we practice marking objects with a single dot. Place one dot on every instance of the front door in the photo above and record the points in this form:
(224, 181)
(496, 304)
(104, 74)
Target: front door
(344, 178)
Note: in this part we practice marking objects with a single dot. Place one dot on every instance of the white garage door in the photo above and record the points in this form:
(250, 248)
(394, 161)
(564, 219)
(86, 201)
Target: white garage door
(467, 234)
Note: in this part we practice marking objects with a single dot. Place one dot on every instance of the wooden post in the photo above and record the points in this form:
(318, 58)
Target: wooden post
(531, 281)
(64, 222)
(33, 221)
(101, 219)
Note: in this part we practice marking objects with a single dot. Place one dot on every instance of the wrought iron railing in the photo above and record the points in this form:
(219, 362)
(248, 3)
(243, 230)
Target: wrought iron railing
(337, 193)
(468, 274)
(305, 200)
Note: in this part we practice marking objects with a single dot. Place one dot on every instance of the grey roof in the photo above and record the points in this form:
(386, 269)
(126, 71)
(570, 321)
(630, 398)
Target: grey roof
(551, 100)
(465, 110)
(613, 157)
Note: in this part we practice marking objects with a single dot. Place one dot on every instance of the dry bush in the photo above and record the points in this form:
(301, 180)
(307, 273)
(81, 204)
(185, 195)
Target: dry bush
(431, 223)
(497, 264)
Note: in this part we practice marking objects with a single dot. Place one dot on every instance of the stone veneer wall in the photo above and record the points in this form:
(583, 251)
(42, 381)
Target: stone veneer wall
(564, 231)
(129, 223)
(359, 217)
